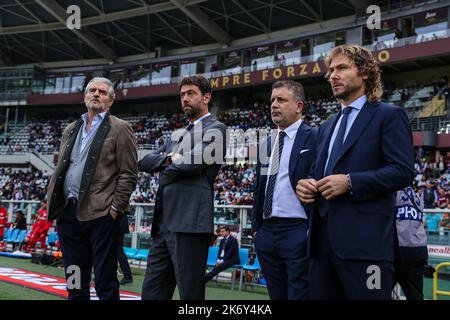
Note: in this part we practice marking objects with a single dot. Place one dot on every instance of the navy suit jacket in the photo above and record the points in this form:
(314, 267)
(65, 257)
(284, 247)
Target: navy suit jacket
(231, 247)
(299, 167)
(378, 155)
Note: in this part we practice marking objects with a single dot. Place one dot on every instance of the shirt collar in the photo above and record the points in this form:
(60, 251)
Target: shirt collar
(291, 131)
(201, 118)
(84, 116)
(358, 103)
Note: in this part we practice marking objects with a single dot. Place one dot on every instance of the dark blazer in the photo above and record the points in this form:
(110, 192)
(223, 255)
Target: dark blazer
(378, 155)
(300, 161)
(186, 191)
(231, 247)
(109, 175)
(429, 198)
(21, 224)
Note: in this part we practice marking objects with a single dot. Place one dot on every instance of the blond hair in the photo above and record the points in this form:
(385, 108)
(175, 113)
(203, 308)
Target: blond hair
(367, 66)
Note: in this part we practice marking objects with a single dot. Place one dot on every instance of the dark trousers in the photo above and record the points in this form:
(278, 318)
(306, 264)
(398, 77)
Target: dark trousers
(176, 259)
(123, 261)
(281, 246)
(87, 244)
(334, 278)
(409, 275)
(218, 269)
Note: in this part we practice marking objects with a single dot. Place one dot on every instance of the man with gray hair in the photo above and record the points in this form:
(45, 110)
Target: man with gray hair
(90, 187)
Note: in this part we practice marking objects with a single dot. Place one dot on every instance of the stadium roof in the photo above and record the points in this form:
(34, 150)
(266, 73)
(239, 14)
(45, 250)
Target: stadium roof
(36, 31)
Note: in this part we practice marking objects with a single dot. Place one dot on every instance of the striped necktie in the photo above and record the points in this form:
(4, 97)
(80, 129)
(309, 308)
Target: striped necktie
(275, 165)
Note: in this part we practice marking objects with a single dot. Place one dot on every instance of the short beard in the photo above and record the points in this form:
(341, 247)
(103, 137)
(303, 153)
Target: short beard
(192, 113)
(349, 90)
(96, 109)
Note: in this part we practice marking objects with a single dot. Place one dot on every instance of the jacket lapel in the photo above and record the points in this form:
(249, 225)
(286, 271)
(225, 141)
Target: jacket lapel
(302, 135)
(360, 123)
(323, 152)
(72, 137)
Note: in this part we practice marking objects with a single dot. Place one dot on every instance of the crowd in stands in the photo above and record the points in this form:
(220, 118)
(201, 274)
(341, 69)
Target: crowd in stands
(234, 184)
(52, 129)
(23, 185)
(432, 184)
(250, 115)
(39, 136)
(257, 114)
(151, 129)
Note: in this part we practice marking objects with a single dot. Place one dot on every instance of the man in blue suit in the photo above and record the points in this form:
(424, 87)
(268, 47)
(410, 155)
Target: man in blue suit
(228, 254)
(364, 154)
(279, 221)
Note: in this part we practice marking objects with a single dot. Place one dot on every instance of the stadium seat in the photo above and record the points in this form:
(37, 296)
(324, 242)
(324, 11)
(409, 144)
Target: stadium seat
(212, 256)
(142, 254)
(130, 252)
(13, 235)
(51, 240)
(255, 267)
(20, 236)
(17, 242)
(243, 257)
(7, 234)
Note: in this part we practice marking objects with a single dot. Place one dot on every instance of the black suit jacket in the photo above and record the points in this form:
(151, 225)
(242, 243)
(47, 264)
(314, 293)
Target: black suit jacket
(231, 247)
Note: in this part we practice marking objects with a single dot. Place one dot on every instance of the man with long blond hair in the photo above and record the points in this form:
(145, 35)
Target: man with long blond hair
(364, 154)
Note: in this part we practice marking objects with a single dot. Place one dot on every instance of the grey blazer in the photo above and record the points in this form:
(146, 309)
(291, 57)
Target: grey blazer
(185, 196)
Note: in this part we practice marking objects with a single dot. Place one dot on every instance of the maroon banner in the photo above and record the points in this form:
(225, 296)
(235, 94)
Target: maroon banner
(312, 69)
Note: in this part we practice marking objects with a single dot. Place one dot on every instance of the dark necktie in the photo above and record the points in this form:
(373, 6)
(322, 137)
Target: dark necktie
(275, 166)
(338, 142)
(188, 129)
(337, 146)
(190, 126)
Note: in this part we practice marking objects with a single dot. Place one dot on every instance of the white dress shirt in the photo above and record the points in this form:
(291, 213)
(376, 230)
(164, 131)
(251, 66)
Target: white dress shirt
(285, 203)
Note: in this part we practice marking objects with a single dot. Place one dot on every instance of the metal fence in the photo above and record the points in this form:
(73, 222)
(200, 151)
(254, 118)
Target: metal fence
(238, 218)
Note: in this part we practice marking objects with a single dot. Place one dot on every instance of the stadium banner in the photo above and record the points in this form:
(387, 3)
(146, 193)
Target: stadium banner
(48, 284)
(437, 251)
(296, 71)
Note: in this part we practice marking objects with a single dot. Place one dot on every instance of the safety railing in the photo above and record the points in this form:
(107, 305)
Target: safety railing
(436, 291)
(238, 218)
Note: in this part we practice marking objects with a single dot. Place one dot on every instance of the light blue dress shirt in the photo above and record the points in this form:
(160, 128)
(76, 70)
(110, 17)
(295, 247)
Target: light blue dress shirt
(285, 203)
(87, 136)
(201, 118)
(357, 106)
